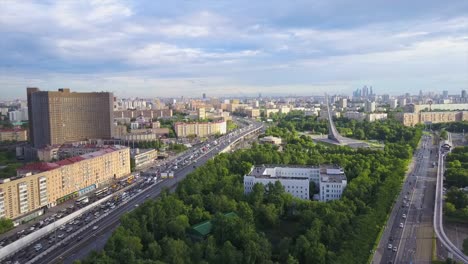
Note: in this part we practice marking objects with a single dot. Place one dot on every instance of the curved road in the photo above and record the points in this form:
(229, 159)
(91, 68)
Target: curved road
(438, 215)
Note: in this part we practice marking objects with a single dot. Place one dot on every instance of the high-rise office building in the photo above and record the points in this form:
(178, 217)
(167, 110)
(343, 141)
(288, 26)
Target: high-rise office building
(463, 93)
(61, 116)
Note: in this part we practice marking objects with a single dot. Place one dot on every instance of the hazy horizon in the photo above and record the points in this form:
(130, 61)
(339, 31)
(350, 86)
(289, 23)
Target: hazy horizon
(175, 48)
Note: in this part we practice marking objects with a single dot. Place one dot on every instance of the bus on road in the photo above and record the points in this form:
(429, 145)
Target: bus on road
(82, 201)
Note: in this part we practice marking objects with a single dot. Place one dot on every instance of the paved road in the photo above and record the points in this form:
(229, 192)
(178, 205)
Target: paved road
(407, 241)
(96, 239)
(415, 243)
(438, 214)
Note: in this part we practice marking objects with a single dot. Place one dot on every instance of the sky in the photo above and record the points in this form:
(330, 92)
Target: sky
(153, 48)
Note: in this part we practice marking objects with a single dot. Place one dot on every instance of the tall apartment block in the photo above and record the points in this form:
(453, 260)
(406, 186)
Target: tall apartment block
(56, 117)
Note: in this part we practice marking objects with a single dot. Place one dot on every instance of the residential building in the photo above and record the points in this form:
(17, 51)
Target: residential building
(343, 103)
(411, 119)
(330, 180)
(13, 134)
(393, 103)
(200, 129)
(252, 112)
(355, 115)
(18, 115)
(46, 184)
(150, 114)
(64, 116)
(143, 156)
(376, 117)
(370, 107)
(201, 113)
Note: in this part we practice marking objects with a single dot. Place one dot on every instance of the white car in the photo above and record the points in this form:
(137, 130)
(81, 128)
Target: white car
(404, 216)
(401, 225)
(95, 227)
(390, 246)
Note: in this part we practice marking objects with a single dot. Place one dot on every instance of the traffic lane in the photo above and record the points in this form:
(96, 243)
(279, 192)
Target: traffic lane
(406, 241)
(153, 192)
(181, 174)
(106, 227)
(396, 233)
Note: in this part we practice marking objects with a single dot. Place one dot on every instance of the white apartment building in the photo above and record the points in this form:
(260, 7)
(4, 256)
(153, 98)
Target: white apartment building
(330, 180)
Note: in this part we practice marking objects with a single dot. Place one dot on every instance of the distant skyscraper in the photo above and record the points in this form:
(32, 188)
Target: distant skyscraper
(63, 116)
(365, 91)
(371, 93)
(445, 94)
(204, 95)
(463, 94)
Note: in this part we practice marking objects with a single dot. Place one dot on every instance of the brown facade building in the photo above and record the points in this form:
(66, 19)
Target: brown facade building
(56, 117)
(47, 184)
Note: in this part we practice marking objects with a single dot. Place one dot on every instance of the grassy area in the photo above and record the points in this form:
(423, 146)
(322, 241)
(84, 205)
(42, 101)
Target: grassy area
(434, 248)
(8, 159)
(230, 125)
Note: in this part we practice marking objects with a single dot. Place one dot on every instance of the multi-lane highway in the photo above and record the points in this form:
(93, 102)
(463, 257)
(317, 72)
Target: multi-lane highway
(408, 234)
(96, 236)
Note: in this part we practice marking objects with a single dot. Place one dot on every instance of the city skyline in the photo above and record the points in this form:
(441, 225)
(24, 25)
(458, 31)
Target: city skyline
(167, 49)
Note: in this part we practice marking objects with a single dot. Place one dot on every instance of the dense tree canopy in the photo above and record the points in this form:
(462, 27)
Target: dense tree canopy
(456, 174)
(271, 226)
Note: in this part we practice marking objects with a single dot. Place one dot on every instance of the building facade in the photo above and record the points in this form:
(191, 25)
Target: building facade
(143, 156)
(46, 184)
(13, 135)
(412, 119)
(330, 180)
(64, 116)
(200, 129)
(151, 114)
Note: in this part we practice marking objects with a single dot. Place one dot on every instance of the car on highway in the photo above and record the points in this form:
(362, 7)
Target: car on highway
(60, 235)
(394, 249)
(401, 225)
(95, 227)
(404, 216)
(38, 246)
(390, 246)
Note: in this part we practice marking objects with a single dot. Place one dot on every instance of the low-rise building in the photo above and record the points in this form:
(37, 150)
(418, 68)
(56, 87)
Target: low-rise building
(47, 184)
(271, 140)
(252, 112)
(13, 134)
(143, 156)
(330, 180)
(376, 117)
(200, 129)
(354, 115)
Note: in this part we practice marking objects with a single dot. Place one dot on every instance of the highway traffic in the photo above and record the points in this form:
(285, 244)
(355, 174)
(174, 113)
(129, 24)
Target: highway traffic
(58, 245)
(399, 240)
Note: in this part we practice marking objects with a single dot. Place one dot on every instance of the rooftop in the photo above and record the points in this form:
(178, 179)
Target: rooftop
(204, 228)
(12, 130)
(47, 166)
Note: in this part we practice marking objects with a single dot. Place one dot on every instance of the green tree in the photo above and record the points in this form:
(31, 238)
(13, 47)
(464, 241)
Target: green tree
(5, 225)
